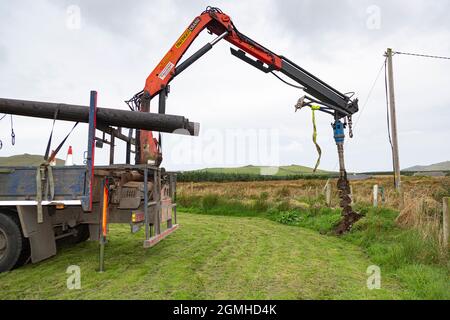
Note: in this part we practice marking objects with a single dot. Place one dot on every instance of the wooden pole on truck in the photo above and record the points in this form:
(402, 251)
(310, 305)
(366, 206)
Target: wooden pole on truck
(104, 116)
(393, 121)
(446, 221)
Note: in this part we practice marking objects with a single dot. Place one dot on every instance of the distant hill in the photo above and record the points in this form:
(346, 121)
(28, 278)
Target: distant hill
(25, 160)
(264, 170)
(442, 166)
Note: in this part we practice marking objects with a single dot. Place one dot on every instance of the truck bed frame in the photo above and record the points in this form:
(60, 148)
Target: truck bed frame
(56, 202)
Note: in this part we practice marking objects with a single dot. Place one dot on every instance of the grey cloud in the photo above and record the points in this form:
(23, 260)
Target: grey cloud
(120, 42)
(125, 18)
(3, 54)
(313, 19)
(115, 16)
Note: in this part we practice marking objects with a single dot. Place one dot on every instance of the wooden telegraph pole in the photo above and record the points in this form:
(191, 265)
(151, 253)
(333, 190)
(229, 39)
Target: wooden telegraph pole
(393, 116)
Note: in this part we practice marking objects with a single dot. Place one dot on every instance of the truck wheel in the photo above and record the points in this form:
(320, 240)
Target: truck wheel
(13, 245)
(81, 235)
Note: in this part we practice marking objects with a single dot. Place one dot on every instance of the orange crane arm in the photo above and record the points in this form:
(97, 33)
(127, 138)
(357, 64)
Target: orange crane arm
(216, 22)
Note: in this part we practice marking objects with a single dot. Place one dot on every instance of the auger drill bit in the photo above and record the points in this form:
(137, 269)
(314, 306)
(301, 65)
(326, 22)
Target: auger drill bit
(349, 217)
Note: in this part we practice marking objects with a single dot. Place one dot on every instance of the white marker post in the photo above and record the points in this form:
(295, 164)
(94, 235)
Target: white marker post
(351, 195)
(375, 196)
(328, 194)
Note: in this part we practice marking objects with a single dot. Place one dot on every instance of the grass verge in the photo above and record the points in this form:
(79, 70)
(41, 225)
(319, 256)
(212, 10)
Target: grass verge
(418, 262)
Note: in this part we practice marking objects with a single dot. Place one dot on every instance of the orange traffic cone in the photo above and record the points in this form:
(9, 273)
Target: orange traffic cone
(69, 158)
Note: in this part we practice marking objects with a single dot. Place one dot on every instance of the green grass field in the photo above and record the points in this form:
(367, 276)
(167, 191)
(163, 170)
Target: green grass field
(260, 240)
(416, 260)
(209, 257)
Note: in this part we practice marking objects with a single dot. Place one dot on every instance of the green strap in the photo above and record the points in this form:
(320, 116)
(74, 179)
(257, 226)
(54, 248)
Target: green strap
(319, 151)
(46, 170)
(49, 183)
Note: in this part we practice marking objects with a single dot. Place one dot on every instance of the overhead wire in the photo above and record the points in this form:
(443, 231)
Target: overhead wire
(421, 55)
(369, 95)
(387, 92)
(383, 66)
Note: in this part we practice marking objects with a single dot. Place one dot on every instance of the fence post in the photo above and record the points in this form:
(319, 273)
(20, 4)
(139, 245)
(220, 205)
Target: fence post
(401, 194)
(351, 194)
(375, 196)
(328, 194)
(446, 221)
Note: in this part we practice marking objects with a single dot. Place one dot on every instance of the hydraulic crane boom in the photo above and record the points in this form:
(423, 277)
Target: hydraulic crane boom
(322, 97)
(216, 22)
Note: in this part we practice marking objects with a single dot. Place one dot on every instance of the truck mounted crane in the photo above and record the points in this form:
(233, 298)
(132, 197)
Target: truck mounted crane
(321, 96)
(42, 205)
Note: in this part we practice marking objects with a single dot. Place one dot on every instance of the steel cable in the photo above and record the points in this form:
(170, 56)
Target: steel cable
(421, 55)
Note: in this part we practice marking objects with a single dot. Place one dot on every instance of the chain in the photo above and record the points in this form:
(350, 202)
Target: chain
(13, 135)
(350, 126)
(1, 142)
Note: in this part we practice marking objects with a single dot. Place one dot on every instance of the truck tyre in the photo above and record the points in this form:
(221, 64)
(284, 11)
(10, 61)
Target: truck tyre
(81, 235)
(14, 247)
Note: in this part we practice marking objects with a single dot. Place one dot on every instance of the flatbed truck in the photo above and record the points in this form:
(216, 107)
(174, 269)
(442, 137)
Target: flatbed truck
(42, 205)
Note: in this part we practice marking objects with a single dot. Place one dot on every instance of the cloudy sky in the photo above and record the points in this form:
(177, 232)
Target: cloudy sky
(56, 50)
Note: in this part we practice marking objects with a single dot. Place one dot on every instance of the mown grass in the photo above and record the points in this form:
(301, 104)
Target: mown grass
(419, 262)
(268, 241)
(209, 257)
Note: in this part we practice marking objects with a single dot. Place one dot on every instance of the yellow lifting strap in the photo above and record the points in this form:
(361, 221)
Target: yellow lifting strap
(319, 151)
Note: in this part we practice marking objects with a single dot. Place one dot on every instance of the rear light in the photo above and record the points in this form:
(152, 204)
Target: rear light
(137, 217)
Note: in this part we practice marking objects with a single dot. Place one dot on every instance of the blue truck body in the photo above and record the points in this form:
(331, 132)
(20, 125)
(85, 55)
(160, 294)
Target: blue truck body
(18, 183)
